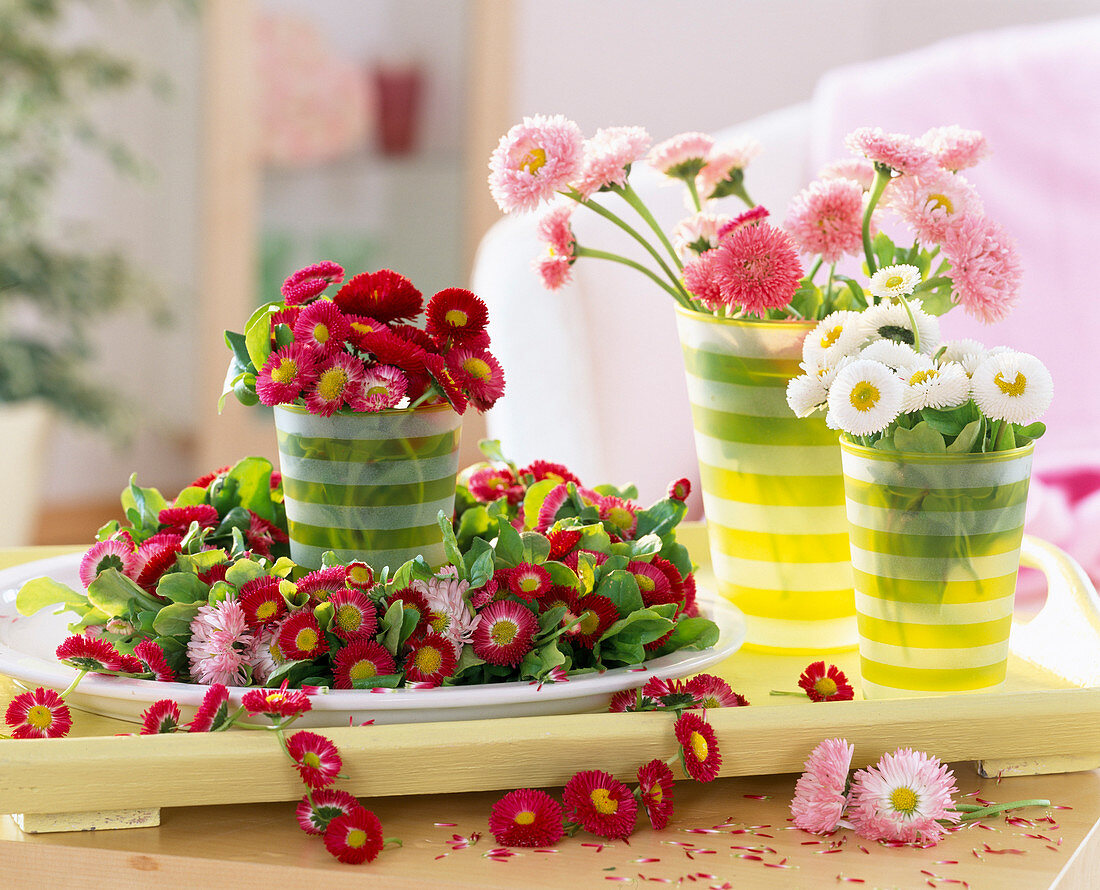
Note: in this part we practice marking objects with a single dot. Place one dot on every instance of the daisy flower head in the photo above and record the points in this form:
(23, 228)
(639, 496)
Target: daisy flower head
(264, 655)
(1012, 386)
(179, 519)
(152, 658)
(262, 601)
(110, 554)
(490, 484)
(724, 171)
(448, 613)
(384, 386)
(563, 541)
(305, 284)
(220, 638)
(391, 348)
(653, 584)
(555, 269)
(504, 633)
(287, 372)
(40, 714)
(891, 320)
(555, 229)
(600, 804)
(160, 717)
(985, 267)
(156, 555)
(353, 614)
(714, 692)
(431, 659)
(655, 784)
(944, 387)
(526, 817)
(456, 314)
(383, 296)
(479, 373)
(629, 700)
(593, 615)
(276, 703)
(679, 490)
(806, 394)
(858, 170)
(620, 513)
(362, 659)
(682, 156)
(300, 637)
(213, 712)
(315, 757)
(903, 798)
(821, 793)
(701, 278)
(865, 398)
(837, 334)
(322, 326)
(546, 469)
(901, 153)
(956, 148)
(339, 382)
(326, 804)
(750, 217)
(320, 584)
(825, 684)
(608, 157)
(360, 327)
(88, 654)
(359, 575)
(698, 747)
(932, 203)
(534, 160)
(826, 219)
(899, 357)
(966, 352)
(444, 378)
(755, 268)
(356, 837)
(894, 282)
(697, 234)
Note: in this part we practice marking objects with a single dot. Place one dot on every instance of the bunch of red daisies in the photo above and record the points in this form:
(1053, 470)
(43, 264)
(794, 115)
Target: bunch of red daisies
(362, 350)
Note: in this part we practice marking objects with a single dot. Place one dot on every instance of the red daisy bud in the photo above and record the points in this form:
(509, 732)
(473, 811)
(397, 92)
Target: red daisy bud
(680, 489)
(213, 712)
(161, 716)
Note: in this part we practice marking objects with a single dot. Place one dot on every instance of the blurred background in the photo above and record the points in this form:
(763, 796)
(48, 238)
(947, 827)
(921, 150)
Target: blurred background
(269, 134)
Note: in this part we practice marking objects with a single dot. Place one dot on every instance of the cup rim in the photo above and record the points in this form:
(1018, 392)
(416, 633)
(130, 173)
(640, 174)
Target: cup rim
(922, 457)
(789, 324)
(420, 409)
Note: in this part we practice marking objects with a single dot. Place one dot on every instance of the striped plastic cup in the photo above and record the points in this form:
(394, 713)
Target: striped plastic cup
(772, 487)
(368, 486)
(935, 550)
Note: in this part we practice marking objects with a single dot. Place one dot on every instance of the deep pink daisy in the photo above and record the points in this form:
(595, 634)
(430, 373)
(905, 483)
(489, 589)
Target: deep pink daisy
(750, 217)
(755, 268)
(682, 156)
(353, 614)
(356, 837)
(555, 230)
(179, 519)
(161, 716)
(821, 793)
(214, 574)
(112, 554)
(629, 700)
(286, 373)
(620, 513)
(492, 483)
(436, 366)
(359, 575)
(955, 148)
(655, 783)
(479, 374)
(822, 684)
(384, 386)
(670, 693)
(87, 654)
(300, 637)
(276, 703)
(362, 659)
(321, 584)
(562, 541)
(384, 296)
(431, 659)
(339, 383)
(262, 535)
(505, 633)
(932, 204)
(698, 747)
(327, 804)
(545, 469)
(152, 657)
(600, 804)
(904, 798)
(593, 613)
(261, 601)
(412, 599)
(315, 757)
(714, 692)
(653, 584)
(897, 151)
(307, 283)
(690, 607)
(528, 581)
(826, 219)
(213, 712)
(157, 555)
(41, 714)
(526, 817)
(390, 348)
(608, 157)
(131, 664)
(456, 314)
(361, 328)
(207, 478)
(985, 268)
(534, 160)
(322, 326)
(680, 489)
(701, 278)
(286, 316)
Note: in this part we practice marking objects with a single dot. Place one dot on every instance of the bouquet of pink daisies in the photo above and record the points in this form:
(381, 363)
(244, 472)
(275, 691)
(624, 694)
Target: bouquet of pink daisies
(360, 349)
(898, 200)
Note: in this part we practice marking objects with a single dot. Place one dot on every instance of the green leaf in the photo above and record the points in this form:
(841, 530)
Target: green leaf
(540, 661)
(236, 344)
(114, 593)
(246, 486)
(885, 444)
(41, 592)
(677, 554)
(966, 439)
(257, 334)
(644, 547)
(183, 587)
(1006, 436)
(416, 569)
(536, 547)
(509, 545)
(243, 571)
(561, 575)
(190, 497)
(921, 439)
(691, 633)
(661, 518)
(625, 640)
(1032, 430)
(175, 619)
(883, 249)
(594, 537)
(388, 681)
(622, 589)
(450, 544)
(492, 451)
(392, 624)
(147, 502)
(550, 620)
(467, 660)
(473, 525)
(533, 501)
(482, 568)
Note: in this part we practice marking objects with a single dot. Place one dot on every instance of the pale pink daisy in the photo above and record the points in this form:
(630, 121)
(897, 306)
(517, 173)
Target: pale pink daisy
(534, 160)
(682, 156)
(607, 158)
(697, 234)
(858, 170)
(903, 798)
(954, 147)
(725, 168)
(555, 264)
(220, 642)
(820, 795)
(899, 152)
(756, 268)
(339, 382)
(111, 554)
(449, 614)
(384, 386)
(826, 219)
(985, 268)
(932, 203)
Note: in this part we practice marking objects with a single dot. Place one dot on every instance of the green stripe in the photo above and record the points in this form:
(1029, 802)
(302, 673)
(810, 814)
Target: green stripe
(933, 679)
(955, 543)
(363, 450)
(935, 636)
(778, 491)
(368, 495)
(780, 548)
(364, 539)
(739, 370)
(900, 590)
(935, 499)
(761, 430)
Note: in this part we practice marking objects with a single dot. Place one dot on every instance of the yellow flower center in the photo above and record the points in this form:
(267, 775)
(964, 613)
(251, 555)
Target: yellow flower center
(306, 639)
(360, 575)
(40, 717)
(524, 817)
(603, 802)
(348, 617)
(657, 794)
(645, 583)
(456, 318)
(830, 337)
(356, 838)
(904, 800)
(1016, 388)
(621, 517)
(826, 686)
(378, 390)
(529, 583)
(923, 376)
(311, 760)
(428, 659)
(361, 328)
(332, 384)
(589, 622)
(440, 622)
(363, 670)
(477, 367)
(699, 746)
(320, 332)
(894, 281)
(937, 201)
(864, 396)
(266, 610)
(286, 372)
(533, 161)
(504, 632)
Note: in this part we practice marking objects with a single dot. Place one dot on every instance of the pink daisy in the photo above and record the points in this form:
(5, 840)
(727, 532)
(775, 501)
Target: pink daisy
(322, 326)
(321, 584)
(327, 804)
(276, 703)
(356, 837)
(307, 283)
(901, 153)
(153, 659)
(903, 798)
(479, 373)
(219, 641)
(384, 386)
(213, 712)
(528, 581)
(931, 204)
(858, 170)
(431, 659)
(286, 373)
(670, 693)
(826, 219)
(822, 684)
(360, 327)
(600, 804)
(383, 296)
(448, 613)
(655, 785)
(697, 234)
(504, 633)
(535, 159)
(725, 169)
(316, 758)
(179, 519)
(985, 268)
(682, 156)
(361, 659)
(620, 513)
(698, 747)
(555, 269)
(87, 654)
(264, 656)
(526, 818)
(339, 382)
(714, 692)
(353, 614)
(493, 483)
(820, 794)
(755, 268)
(680, 489)
(112, 554)
(701, 278)
(555, 265)
(955, 148)
(161, 716)
(455, 315)
(300, 637)
(41, 714)
(607, 158)
(653, 584)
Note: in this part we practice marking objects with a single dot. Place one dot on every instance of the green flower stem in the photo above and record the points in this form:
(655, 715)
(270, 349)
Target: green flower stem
(788, 692)
(829, 283)
(931, 284)
(73, 685)
(913, 322)
(970, 812)
(431, 392)
(814, 270)
(996, 437)
(649, 273)
(882, 178)
(694, 192)
(740, 192)
(232, 719)
(632, 198)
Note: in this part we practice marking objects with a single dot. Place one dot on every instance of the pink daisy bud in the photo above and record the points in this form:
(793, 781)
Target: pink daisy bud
(955, 148)
(680, 489)
(108, 555)
(534, 160)
(307, 283)
(901, 153)
(682, 156)
(724, 172)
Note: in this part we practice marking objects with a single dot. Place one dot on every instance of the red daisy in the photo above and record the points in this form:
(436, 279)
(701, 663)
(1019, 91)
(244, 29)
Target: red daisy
(456, 314)
(131, 665)
(680, 489)
(322, 326)
(277, 703)
(156, 556)
(655, 784)
(652, 584)
(356, 837)
(179, 519)
(698, 747)
(41, 714)
(112, 554)
(327, 804)
(825, 685)
(204, 481)
(286, 373)
(622, 514)
(544, 469)
(596, 613)
(389, 348)
(285, 316)
(307, 283)
(491, 484)
(526, 818)
(630, 700)
(714, 692)
(300, 638)
(600, 804)
(562, 541)
(87, 654)
(353, 614)
(670, 693)
(441, 375)
(479, 374)
(417, 336)
(160, 716)
(485, 594)
(323, 583)
(361, 660)
(213, 712)
(214, 574)
(411, 598)
(672, 574)
(359, 575)
(528, 581)
(152, 657)
(505, 633)
(360, 327)
(691, 609)
(261, 601)
(383, 295)
(431, 659)
(262, 535)
(339, 382)
(316, 758)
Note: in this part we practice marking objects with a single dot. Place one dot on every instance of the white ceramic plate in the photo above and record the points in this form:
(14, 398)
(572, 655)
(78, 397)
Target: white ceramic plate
(27, 647)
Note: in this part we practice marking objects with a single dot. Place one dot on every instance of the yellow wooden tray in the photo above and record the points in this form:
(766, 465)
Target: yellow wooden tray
(1047, 719)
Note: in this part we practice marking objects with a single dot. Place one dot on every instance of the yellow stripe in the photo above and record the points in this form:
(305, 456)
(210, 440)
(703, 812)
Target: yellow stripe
(935, 636)
(817, 605)
(933, 680)
(780, 548)
(780, 491)
(900, 590)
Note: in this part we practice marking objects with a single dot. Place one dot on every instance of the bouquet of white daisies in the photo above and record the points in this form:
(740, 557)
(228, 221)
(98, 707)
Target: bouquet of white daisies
(884, 378)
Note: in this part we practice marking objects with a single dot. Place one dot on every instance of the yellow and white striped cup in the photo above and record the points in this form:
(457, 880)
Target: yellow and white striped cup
(773, 493)
(368, 486)
(935, 551)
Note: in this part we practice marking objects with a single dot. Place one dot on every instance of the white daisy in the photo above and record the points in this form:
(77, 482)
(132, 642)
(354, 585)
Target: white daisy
(890, 321)
(947, 386)
(805, 394)
(892, 282)
(836, 335)
(1012, 386)
(968, 353)
(697, 234)
(826, 368)
(899, 356)
(865, 397)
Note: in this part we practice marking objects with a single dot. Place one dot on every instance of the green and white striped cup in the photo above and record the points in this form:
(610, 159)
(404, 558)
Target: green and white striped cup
(368, 486)
(773, 493)
(935, 551)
